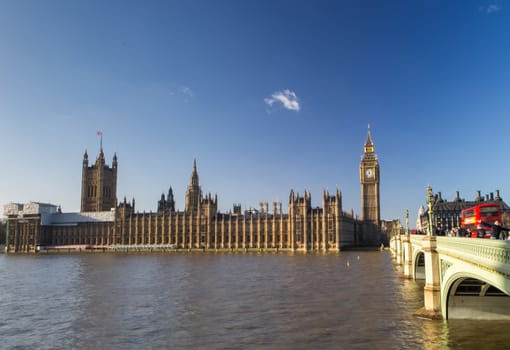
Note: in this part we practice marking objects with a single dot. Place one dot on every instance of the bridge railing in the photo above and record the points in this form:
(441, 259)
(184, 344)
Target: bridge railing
(492, 254)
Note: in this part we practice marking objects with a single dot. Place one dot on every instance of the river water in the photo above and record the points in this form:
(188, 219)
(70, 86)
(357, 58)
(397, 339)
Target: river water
(351, 300)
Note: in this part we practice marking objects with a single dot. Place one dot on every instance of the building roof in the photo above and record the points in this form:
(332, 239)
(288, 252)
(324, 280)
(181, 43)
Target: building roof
(30, 208)
(51, 215)
(75, 218)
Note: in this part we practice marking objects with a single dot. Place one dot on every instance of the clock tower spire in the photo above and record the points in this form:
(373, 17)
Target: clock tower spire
(369, 179)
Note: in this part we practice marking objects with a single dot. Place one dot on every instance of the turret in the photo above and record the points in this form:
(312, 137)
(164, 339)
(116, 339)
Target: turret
(277, 207)
(85, 187)
(170, 202)
(162, 203)
(100, 158)
(85, 159)
(338, 197)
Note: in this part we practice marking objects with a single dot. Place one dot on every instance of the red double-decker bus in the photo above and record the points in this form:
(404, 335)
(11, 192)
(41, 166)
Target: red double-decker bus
(480, 217)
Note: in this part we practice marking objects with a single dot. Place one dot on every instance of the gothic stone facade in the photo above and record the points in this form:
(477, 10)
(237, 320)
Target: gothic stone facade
(99, 184)
(104, 224)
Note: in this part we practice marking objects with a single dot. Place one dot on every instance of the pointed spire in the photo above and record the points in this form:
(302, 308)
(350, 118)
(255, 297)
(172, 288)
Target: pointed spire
(369, 144)
(193, 193)
(114, 162)
(194, 175)
(368, 141)
(85, 159)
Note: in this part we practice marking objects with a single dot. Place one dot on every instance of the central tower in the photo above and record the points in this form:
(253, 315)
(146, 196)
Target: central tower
(194, 192)
(369, 179)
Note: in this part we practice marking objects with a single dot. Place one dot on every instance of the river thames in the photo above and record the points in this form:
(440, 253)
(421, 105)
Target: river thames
(351, 300)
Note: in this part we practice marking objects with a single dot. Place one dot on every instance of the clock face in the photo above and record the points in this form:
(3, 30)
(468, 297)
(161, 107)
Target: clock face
(369, 172)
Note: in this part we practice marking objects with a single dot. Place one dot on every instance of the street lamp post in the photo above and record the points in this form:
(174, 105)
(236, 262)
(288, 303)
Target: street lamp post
(407, 222)
(429, 203)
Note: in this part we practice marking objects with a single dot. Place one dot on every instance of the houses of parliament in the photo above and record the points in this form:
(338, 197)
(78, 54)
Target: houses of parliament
(105, 224)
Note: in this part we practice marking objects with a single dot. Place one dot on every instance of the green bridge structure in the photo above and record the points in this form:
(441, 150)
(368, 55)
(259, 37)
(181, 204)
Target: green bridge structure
(465, 278)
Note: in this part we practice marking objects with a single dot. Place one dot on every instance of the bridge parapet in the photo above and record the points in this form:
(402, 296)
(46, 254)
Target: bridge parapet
(417, 240)
(489, 254)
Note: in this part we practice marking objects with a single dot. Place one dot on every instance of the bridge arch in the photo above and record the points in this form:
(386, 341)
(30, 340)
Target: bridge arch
(418, 264)
(470, 292)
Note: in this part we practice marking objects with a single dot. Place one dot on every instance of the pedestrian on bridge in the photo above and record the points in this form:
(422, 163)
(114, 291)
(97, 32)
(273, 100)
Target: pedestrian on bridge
(496, 230)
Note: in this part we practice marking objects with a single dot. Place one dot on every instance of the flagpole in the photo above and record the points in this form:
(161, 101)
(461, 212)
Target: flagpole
(100, 133)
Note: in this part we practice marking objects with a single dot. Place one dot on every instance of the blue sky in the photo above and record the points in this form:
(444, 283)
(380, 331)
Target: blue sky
(268, 96)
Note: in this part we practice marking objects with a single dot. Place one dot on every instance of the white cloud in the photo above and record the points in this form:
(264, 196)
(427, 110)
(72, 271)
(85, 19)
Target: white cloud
(491, 8)
(186, 91)
(287, 98)
(183, 92)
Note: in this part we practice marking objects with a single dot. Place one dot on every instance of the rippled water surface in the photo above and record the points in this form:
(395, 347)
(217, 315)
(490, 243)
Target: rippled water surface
(353, 300)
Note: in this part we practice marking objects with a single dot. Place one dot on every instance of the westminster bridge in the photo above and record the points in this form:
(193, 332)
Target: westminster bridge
(465, 278)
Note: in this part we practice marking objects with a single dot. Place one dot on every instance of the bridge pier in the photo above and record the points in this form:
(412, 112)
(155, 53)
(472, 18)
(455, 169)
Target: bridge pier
(407, 257)
(398, 250)
(432, 289)
(392, 248)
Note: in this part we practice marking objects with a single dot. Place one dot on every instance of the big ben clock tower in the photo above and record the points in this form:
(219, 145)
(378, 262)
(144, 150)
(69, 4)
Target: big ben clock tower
(369, 179)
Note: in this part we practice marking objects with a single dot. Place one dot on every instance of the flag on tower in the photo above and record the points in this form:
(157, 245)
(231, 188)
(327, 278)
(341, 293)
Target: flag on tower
(100, 133)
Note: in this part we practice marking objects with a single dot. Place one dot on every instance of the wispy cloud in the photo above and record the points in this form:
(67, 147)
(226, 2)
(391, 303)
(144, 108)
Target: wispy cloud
(491, 8)
(184, 92)
(287, 98)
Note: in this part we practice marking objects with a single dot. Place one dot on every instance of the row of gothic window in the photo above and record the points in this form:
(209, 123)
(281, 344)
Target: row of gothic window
(92, 192)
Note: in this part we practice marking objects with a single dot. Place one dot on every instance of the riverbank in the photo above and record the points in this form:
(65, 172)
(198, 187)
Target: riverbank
(71, 249)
